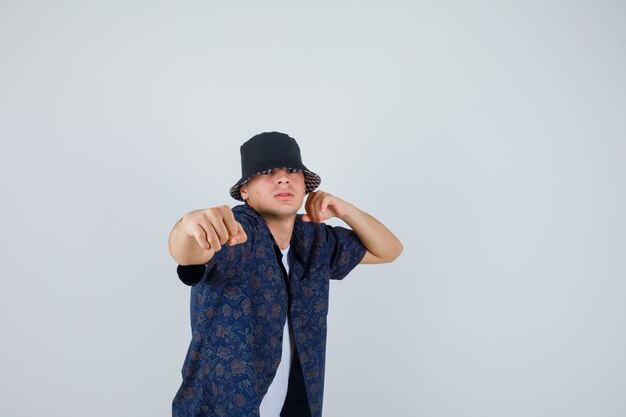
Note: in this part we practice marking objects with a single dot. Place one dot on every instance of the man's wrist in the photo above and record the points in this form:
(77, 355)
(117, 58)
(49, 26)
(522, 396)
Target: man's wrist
(351, 212)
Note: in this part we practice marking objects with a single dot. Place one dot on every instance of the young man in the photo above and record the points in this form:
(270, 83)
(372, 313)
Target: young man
(260, 277)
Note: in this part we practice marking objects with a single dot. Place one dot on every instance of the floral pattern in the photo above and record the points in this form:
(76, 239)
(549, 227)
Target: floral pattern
(239, 303)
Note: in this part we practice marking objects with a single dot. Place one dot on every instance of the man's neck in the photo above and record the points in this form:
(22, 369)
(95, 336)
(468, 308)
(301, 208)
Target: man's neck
(281, 229)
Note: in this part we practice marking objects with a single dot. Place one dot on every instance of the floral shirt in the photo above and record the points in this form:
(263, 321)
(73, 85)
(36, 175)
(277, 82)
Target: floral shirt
(239, 303)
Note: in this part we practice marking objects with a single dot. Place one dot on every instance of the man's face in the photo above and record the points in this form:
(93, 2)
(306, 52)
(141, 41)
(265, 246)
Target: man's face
(277, 194)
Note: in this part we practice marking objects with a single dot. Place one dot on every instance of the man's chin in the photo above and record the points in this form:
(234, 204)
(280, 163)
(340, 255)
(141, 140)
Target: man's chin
(280, 212)
(276, 210)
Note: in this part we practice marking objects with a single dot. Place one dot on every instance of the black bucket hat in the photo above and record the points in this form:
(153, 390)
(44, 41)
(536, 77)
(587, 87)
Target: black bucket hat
(268, 151)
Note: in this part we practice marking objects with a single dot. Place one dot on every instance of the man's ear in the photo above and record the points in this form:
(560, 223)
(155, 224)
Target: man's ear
(243, 192)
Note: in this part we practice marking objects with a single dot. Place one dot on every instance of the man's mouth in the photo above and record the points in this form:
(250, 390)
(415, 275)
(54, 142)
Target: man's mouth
(284, 195)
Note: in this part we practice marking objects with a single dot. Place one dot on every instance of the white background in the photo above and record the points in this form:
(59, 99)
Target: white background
(488, 135)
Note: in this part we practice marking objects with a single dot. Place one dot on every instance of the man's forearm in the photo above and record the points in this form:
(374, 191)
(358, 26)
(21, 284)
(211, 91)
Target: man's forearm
(185, 249)
(376, 238)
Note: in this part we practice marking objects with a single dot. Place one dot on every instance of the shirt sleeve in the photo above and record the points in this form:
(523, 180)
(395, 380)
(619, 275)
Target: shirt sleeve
(345, 251)
(194, 274)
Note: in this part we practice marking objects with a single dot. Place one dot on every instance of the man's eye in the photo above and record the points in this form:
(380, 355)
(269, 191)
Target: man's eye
(292, 170)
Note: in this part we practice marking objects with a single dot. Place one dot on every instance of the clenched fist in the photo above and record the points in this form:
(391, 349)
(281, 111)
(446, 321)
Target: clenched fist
(321, 206)
(213, 227)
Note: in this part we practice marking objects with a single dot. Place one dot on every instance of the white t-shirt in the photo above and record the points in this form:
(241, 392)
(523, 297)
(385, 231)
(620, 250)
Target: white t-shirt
(272, 403)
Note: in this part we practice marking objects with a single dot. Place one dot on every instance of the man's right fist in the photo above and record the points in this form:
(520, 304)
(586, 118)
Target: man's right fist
(213, 227)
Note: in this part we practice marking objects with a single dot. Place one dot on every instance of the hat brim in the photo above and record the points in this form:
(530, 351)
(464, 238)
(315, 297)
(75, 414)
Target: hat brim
(311, 181)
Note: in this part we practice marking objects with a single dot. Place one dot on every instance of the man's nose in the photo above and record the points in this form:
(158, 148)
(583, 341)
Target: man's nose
(281, 176)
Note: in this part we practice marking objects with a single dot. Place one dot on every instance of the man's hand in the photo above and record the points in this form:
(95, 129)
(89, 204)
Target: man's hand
(382, 245)
(321, 206)
(213, 227)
